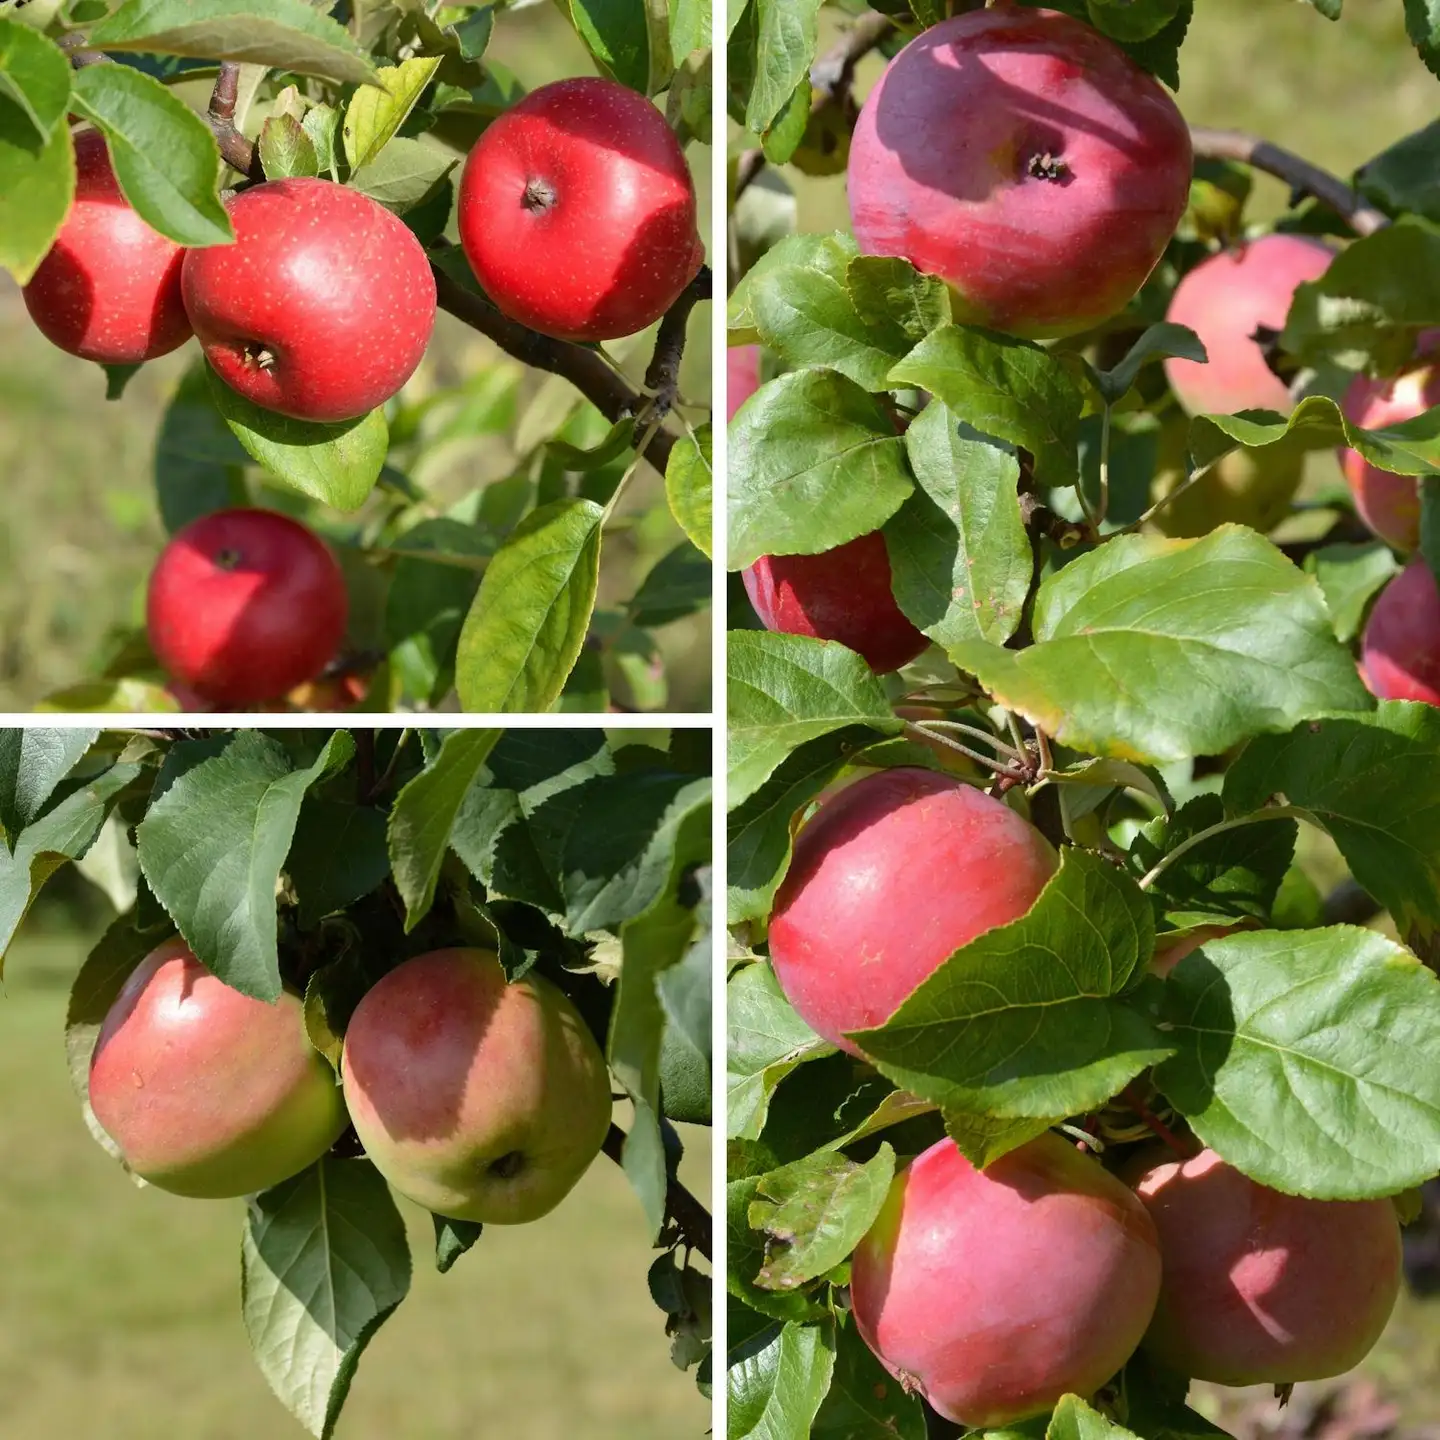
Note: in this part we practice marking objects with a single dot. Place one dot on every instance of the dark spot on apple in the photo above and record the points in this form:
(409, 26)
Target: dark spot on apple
(508, 1166)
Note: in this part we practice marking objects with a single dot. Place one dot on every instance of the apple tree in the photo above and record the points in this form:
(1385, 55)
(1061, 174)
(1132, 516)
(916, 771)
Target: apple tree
(476, 929)
(1084, 751)
(302, 189)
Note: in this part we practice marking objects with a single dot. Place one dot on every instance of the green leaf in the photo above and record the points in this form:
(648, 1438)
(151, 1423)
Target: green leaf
(322, 124)
(1422, 25)
(787, 38)
(1008, 388)
(337, 463)
(424, 815)
(36, 188)
(1033, 1019)
(866, 1402)
(1373, 781)
(163, 153)
(280, 34)
(629, 40)
(337, 857)
(378, 109)
(689, 480)
(690, 28)
(121, 696)
(1403, 176)
(891, 294)
(787, 689)
(427, 601)
(286, 149)
(199, 464)
(1296, 1059)
(1073, 1419)
(212, 846)
(816, 1211)
(32, 763)
(766, 1041)
(777, 1380)
(960, 558)
(34, 77)
(529, 620)
(1231, 639)
(826, 254)
(1128, 20)
(323, 1264)
(814, 462)
(1349, 576)
(1158, 342)
(678, 585)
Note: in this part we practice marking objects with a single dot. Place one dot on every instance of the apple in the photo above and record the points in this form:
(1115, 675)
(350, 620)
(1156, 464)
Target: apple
(842, 594)
(1025, 159)
(577, 211)
(1224, 299)
(244, 605)
(742, 376)
(891, 876)
(1400, 647)
(1169, 953)
(321, 309)
(994, 1292)
(477, 1099)
(1389, 504)
(330, 694)
(208, 1092)
(1263, 1288)
(109, 288)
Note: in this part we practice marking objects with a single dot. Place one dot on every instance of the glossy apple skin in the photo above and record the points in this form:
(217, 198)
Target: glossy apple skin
(207, 1092)
(244, 605)
(943, 169)
(577, 211)
(1263, 1288)
(1388, 504)
(996, 1292)
(742, 376)
(890, 877)
(1223, 300)
(321, 309)
(109, 289)
(477, 1099)
(1400, 648)
(842, 594)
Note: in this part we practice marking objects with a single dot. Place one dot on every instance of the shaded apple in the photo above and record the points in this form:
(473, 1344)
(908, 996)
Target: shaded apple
(995, 1292)
(207, 1092)
(577, 211)
(1400, 646)
(109, 288)
(890, 877)
(842, 594)
(478, 1099)
(1263, 1288)
(243, 606)
(1026, 159)
(742, 376)
(322, 308)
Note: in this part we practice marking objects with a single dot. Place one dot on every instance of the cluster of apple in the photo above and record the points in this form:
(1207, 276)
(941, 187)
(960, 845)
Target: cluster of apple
(995, 1292)
(322, 309)
(479, 1099)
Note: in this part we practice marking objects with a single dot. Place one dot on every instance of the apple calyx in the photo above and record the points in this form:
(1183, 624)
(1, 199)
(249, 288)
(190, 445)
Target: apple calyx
(539, 195)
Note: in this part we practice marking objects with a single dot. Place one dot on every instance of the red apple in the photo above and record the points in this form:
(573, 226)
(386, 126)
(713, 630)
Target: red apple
(742, 377)
(1400, 649)
(478, 1099)
(995, 1292)
(1263, 1288)
(207, 1092)
(892, 876)
(1027, 160)
(1388, 504)
(577, 211)
(842, 594)
(244, 605)
(1223, 300)
(109, 289)
(321, 309)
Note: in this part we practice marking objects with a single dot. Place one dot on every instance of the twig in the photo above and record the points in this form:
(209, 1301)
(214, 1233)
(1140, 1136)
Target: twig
(1299, 174)
(1275, 812)
(662, 377)
(237, 150)
(692, 1218)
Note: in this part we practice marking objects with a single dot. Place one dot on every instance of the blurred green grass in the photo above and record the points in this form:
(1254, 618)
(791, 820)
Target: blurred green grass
(120, 1309)
(81, 529)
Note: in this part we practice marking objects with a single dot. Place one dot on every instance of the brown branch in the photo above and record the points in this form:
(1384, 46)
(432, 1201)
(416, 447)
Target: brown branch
(237, 150)
(584, 369)
(662, 377)
(1300, 175)
(692, 1218)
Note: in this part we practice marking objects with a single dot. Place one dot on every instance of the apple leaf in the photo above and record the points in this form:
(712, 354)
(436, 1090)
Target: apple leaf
(690, 22)
(124, 695)
(324, 1262)
(1295, 1059)
(338, 856)
(404, 175)
(1132, 19)
(828, 255)
(279, 34)
(778, 1379)
(628, 39)
(286, 150)
(337, 463)
(814, 462)
(787, 689)
(37, 184)
(424, 814)
(689, 482)
(213, 843)
(1350, 575)
(786, 40)
(199, 464)
(378, 109)
(866, 1402)
(32, 763)
(1231, 638)
(34, 78)
(526, 628)
(1075, 1419)
(164, 155)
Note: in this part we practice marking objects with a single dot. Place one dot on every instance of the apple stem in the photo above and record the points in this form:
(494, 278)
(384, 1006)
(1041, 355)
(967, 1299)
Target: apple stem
(1273, 812)
(689, 1215)
(1156, 1126)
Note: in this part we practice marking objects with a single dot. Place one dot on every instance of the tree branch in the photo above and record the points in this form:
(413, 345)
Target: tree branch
(238, 150)
(1300, 175)
(681, 1206)
(662, 377)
